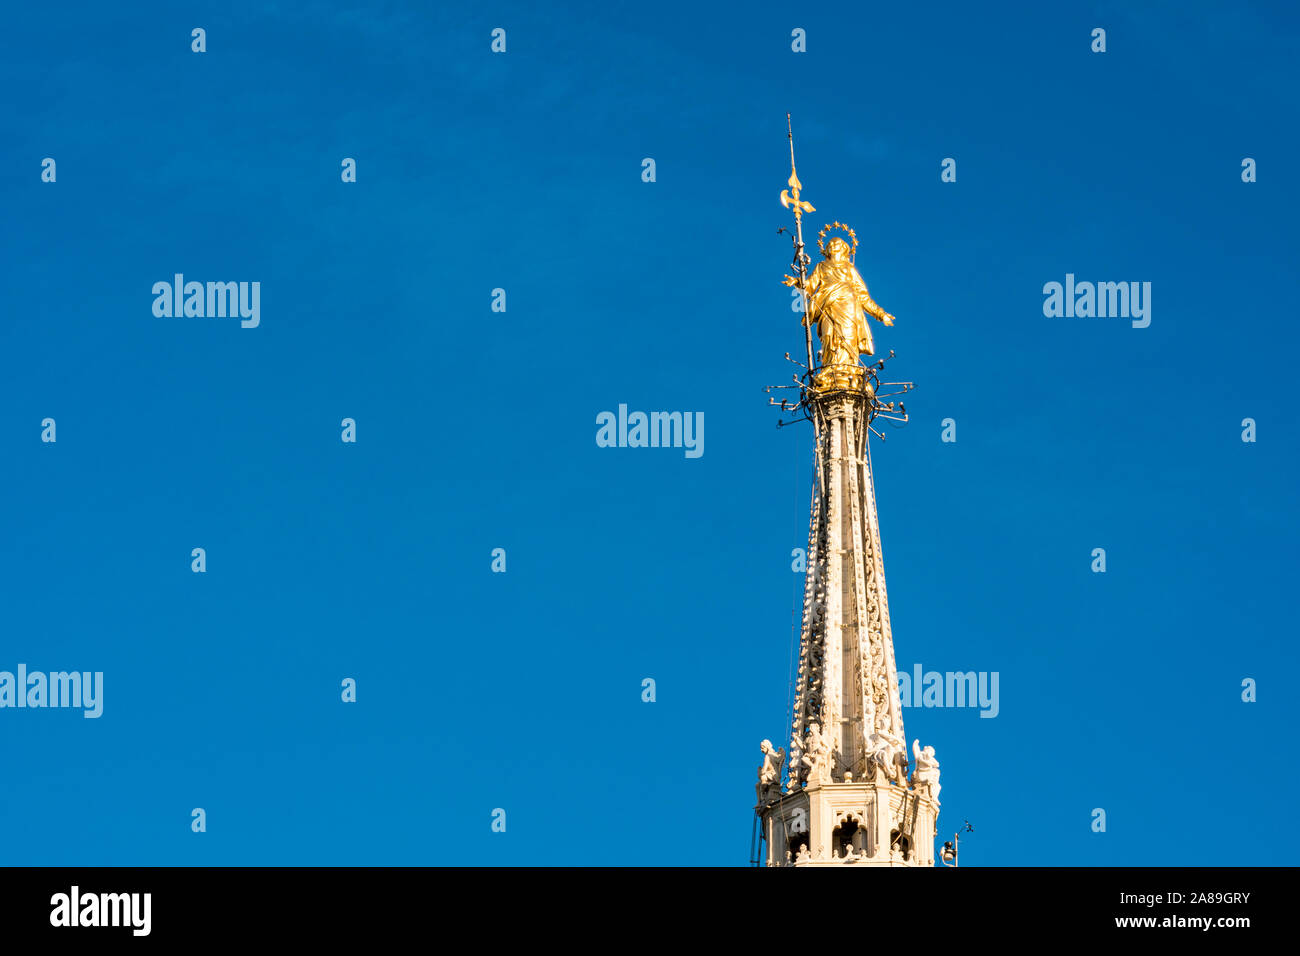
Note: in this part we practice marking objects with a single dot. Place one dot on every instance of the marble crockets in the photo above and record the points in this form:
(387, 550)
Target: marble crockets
(846, 798)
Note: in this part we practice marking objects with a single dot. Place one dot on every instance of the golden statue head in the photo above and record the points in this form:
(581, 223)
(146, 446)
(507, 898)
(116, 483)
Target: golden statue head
(837, 250)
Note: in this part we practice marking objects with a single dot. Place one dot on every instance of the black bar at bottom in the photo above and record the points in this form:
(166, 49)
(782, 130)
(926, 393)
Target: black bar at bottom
(928, 907)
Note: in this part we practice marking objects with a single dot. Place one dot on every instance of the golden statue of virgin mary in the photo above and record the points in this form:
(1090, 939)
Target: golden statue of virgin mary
(837, 298)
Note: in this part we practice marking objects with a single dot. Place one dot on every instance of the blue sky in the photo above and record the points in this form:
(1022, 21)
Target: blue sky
(476, 429)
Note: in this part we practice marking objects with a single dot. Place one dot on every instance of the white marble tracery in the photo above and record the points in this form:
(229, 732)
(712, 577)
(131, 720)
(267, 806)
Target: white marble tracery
(848, 755)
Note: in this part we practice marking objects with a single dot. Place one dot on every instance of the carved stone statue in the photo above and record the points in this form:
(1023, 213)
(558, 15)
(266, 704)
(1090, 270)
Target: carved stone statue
(816, 753)
(900, 764)
(926, 774)
(884, 753)
(769, 775)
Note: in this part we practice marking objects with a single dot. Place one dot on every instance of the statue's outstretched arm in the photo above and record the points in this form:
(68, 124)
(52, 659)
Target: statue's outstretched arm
(869, 305)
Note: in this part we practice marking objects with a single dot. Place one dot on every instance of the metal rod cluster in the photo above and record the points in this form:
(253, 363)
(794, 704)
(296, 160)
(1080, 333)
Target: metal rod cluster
(879, 395)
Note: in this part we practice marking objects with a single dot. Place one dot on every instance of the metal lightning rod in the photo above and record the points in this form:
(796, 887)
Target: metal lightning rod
(792, 201)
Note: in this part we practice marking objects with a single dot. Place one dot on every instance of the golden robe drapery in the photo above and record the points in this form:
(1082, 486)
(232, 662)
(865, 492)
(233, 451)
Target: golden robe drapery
(837, 298)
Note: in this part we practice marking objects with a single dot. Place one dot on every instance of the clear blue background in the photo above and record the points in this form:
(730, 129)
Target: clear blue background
(476, 429)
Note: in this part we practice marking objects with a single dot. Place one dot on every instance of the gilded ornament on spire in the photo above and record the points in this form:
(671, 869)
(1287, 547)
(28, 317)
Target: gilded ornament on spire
(838, 302)
(835, 299)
